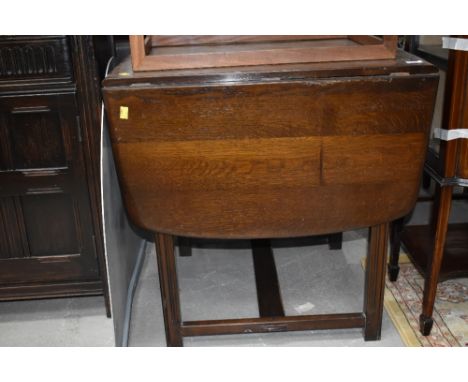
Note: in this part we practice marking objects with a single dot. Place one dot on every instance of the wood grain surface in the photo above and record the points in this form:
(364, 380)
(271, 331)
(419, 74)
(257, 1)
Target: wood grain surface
(268, 159)
(179, 52)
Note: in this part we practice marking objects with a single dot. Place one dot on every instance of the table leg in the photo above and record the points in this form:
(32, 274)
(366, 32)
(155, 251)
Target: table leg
(435, 261)
(435, 209)
(335, 240)
(426, 180)
(395, 245)
(266, 279)
(375, 281)
(169, 288)
(185, 246)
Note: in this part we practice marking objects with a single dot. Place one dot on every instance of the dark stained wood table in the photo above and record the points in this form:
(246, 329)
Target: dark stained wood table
(266, 152)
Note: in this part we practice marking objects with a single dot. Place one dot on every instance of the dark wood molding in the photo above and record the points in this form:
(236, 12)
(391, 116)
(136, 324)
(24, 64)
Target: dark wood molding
(34, 59)
(40, 291)
(89, 103)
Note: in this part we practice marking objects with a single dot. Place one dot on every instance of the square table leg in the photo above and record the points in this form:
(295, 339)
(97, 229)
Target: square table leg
(374, 286)
(169, 288)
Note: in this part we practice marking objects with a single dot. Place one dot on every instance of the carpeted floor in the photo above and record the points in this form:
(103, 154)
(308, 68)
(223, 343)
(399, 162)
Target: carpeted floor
(403, 301)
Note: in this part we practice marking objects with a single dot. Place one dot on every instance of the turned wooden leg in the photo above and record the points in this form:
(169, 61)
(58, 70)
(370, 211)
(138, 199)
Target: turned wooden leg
(435, 261)
(335, 240)
(185, 246)
(395, 245)
(375, 281)
(169, 288)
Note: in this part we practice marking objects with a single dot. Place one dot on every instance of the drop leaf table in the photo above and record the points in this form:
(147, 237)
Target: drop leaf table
(269, 151)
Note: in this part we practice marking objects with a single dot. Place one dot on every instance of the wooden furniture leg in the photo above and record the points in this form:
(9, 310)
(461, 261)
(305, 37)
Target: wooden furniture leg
(185, 246)
(266, 280)
(335, 240)
(435, 261)
(426, 181)
(435, 209)
(169, 288)
(375, 281)
(395, 245)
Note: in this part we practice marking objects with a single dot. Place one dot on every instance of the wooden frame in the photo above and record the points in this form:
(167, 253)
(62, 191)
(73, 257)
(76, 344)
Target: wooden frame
(188, 52)
(272, 316)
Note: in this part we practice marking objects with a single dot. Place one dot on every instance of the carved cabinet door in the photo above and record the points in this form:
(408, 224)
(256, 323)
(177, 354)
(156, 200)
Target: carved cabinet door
(46, 230)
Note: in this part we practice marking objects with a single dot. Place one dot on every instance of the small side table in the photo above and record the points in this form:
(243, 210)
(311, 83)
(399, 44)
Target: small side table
(439, 250)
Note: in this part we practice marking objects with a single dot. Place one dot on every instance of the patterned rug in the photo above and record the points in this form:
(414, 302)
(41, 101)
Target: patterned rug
(403, 302)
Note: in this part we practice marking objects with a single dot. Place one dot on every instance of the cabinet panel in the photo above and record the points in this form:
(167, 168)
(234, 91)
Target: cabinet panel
(44, 270)
(44, 192)
(46, 237)
(51, 224)
(34, 57)
(13, 242)
(37, 131)
(36, 139)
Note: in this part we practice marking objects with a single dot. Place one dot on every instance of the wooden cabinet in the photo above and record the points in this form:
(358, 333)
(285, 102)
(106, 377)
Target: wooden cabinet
(50, 225)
